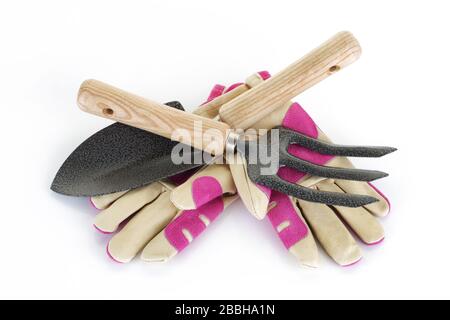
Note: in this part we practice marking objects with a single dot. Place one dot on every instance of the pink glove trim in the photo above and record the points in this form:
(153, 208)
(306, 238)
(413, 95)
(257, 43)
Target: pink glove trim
(298, 120)
(190, 221)
(216, 91)
(110, 255)
(381, 194)
(101, 231)
(92, 203)
(285, 212)
(352, 264)
(264, 74)
(205, 189)
(374, 243)
(233, 86)
(265, 190)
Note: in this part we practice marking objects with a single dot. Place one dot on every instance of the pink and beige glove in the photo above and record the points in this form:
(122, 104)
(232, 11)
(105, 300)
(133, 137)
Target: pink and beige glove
(152, 224)
(300, 224)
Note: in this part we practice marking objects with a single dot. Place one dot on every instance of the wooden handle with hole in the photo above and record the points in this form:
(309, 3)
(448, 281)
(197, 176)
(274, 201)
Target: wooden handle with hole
(103, 100)
(258, 102)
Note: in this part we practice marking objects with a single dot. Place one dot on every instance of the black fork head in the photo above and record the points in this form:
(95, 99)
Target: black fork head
(270, 152)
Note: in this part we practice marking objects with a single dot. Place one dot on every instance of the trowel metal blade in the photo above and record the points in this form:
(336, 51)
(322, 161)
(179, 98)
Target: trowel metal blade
(118, 158)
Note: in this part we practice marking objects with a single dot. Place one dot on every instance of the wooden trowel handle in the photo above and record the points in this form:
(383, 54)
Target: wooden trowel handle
(255, 104)
(103, 100)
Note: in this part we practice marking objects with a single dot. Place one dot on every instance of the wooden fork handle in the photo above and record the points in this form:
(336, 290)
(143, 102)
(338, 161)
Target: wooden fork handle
(103, 100)
(258, 102)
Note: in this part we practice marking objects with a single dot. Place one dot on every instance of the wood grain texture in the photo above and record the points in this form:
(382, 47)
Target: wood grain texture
(211, 109)
(255, 104)
(103, 100)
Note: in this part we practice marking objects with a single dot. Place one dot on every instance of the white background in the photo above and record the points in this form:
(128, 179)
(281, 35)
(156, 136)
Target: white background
(396, 94)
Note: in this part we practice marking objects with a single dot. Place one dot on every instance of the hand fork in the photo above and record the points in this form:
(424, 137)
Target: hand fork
(257, 163)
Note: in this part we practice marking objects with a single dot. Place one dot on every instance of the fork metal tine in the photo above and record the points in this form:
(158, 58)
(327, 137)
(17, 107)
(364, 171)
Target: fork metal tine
(288, 137)
(329, 172)
(313, 195)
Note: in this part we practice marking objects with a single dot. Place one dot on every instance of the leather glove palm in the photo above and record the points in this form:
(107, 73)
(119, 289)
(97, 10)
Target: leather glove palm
(152, 223)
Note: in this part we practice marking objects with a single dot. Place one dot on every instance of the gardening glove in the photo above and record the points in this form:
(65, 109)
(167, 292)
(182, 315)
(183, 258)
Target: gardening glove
(294, 219)
(151, 222)
(146, 219)
(203, 198)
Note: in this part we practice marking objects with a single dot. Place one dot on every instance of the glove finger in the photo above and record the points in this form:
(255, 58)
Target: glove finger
(109, 219)
(380, 208)
(147, 223)
(102, 202)
(332, 234)
(292, 229)
(361, 221)
(255, 197)
(209, 183)
(184, 228)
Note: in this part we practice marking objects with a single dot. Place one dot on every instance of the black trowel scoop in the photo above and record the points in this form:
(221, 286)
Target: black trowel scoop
(117, 158)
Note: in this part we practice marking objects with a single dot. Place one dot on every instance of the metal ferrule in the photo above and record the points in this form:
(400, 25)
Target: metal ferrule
(230, 146)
